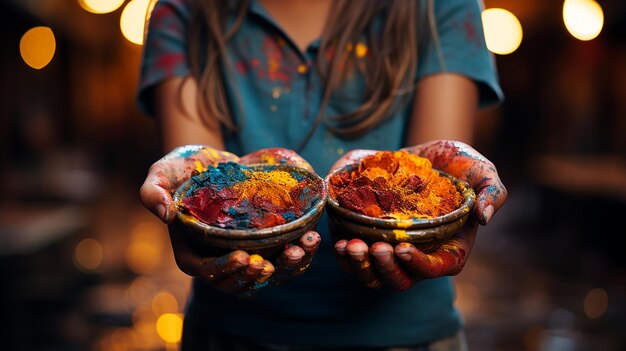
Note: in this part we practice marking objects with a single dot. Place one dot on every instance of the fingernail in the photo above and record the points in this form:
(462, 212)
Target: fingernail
(295, 255)
(256, 260)
(161, 212)
(403, 253)
(309, 240)
(383, 257)
(340, 247)
(487, 213)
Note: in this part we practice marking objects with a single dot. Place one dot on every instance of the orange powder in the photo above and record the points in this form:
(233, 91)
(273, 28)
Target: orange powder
(396, 185)
(236, 196)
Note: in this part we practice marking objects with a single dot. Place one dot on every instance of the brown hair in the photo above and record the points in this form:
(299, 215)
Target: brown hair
(391, 66)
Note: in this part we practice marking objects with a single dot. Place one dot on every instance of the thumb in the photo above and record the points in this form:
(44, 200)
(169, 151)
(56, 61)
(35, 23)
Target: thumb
(156, 198)
(491, 195)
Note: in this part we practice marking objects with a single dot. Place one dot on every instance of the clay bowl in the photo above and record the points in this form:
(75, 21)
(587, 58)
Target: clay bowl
(267, 242)
(427, 234)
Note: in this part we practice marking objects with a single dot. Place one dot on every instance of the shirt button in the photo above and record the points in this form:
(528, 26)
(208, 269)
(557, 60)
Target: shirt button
(302, 68)
(276, 93)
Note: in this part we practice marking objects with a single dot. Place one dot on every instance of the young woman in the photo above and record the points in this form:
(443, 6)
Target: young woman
(319, 83)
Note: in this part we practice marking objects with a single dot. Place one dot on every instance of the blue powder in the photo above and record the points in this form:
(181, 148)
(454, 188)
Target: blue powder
(289, 216)
(225, 175)
(228, 174)
(297, 176)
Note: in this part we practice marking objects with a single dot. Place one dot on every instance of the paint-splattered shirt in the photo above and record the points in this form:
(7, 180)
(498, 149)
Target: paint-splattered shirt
(281, 94)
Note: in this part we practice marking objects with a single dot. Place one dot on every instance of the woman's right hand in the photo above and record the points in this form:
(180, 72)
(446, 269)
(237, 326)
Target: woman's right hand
(169, 172)
(237, 272)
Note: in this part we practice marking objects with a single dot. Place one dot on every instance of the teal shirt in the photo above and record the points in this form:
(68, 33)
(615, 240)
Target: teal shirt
(280, 95)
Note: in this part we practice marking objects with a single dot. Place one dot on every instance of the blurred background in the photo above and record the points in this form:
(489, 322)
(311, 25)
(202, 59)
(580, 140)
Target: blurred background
(85, 267)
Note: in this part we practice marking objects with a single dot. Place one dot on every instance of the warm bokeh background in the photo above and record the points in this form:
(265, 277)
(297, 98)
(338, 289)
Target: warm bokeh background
(85, 267)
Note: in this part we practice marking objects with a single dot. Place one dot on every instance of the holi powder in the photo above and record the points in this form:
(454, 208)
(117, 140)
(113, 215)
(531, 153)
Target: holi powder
(236, 196)
(395, 185)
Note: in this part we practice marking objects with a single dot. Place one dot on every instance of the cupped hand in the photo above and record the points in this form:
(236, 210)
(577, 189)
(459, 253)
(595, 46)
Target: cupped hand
(464, 162)
(237, 272)
(169, 172)
(402, 265)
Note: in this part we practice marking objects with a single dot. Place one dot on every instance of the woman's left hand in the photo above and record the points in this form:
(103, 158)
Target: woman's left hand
(403, 265)
(464, 162)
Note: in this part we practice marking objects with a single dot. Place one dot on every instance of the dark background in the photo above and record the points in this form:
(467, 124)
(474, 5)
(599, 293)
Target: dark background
(546, 274)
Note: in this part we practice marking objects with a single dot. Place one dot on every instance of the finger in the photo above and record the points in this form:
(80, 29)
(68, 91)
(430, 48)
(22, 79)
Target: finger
(464, 162)
(342, 257)
(165, 175)
(491, 195)
(262, 281)
(309, 242)
(448, 259)
(276, 156)
(287, 263)
(243, 277)
(208, 269)
(266, 273)
(359, 259)
(158, 201)
(388, 268)
(155, 193)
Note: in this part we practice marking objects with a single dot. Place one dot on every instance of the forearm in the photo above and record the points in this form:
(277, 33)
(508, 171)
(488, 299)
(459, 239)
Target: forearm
(445, 107)
(178, 120)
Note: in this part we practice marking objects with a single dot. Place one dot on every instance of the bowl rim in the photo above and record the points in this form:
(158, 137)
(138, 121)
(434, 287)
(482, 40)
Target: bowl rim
(469, 199)
(207, 229)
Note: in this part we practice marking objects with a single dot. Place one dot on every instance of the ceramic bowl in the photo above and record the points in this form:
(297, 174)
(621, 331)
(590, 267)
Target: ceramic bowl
(426, 234)
(267, 242)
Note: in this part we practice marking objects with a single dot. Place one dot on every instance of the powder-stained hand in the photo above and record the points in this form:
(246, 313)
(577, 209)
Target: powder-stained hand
(403, 265)
(237, 272)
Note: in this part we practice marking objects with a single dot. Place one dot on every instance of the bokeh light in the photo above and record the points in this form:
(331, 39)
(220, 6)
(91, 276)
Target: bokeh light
(100, 6)
(88, 254)
(141, 289)
(37, 47)
(133, 19)
(145, 251)
(170, 327)
(583, 19)
(503, 31)
(595, 303)
(164, 302)
(143, 257)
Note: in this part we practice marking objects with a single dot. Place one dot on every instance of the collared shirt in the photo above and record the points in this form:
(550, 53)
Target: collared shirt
(280, 94)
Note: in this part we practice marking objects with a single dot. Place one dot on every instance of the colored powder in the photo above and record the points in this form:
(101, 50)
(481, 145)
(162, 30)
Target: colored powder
(395, 185)
(235, 196)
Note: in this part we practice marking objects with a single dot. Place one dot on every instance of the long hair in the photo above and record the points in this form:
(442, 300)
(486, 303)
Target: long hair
(390, 29)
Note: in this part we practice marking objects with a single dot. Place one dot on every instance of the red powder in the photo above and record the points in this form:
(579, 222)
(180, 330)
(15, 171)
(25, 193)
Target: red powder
(238, 197)
(395, 185)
